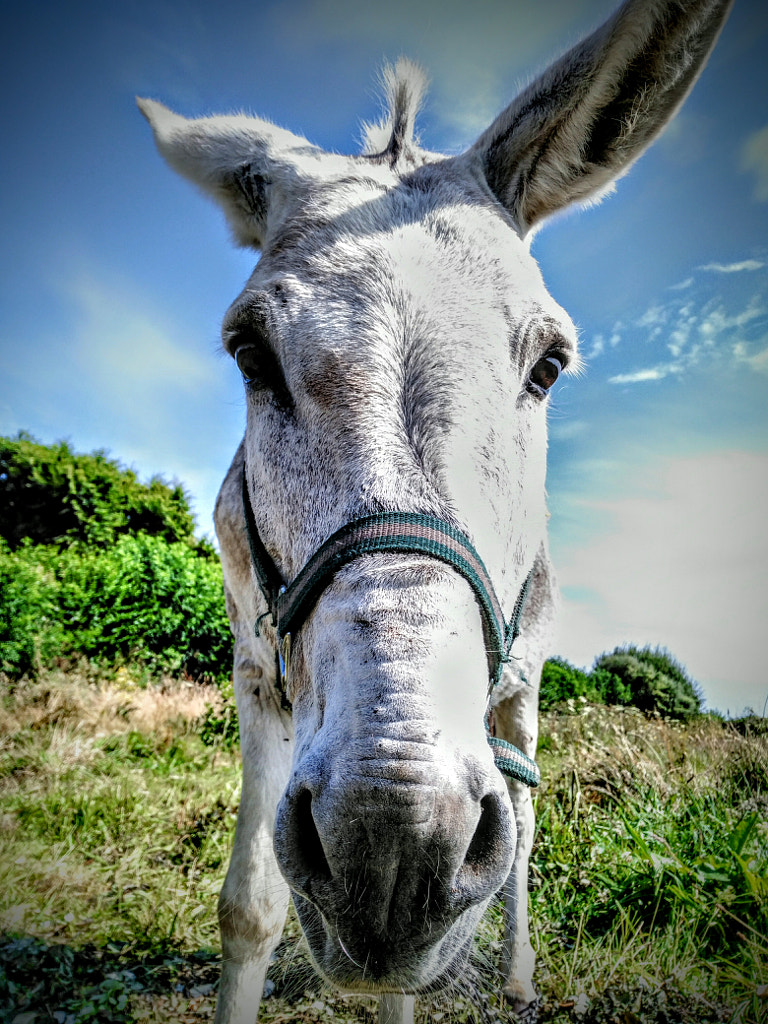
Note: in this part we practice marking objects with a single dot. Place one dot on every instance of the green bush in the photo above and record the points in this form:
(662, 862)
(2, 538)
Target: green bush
(146, 600)
(646, 678)
(655, 681)
(562, 681)
(31, 633)
(52, 495)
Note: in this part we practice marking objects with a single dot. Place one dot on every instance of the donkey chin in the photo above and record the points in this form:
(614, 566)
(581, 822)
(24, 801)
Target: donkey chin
(385, 963)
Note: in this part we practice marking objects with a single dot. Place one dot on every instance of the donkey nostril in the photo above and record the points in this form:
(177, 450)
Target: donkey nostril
(309, 847)
(484, 845)
(489, 856)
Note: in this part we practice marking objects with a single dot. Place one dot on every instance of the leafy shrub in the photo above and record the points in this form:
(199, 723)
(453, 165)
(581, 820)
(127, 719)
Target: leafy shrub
(655, 681)
(646, 678)
(31, 633)
(52, 495)
(562, 681)
(156, 603)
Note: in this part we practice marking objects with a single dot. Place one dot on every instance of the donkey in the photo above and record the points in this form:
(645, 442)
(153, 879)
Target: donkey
(383, 523)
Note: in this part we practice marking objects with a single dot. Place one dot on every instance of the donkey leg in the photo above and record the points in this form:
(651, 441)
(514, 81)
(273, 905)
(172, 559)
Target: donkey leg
(395, 1008)
(254, 899)
(519, 956)
(516, 721)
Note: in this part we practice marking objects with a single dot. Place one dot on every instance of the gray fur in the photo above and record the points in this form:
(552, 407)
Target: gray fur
(393, 139)
(392, 326)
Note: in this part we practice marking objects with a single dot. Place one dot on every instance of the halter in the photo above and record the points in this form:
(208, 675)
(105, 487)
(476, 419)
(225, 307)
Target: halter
(290, 603)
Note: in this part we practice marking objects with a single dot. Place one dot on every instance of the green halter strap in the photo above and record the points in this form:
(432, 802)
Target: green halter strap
(290, 603)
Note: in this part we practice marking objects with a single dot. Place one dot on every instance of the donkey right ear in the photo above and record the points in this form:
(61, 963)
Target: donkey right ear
(249, 166)
(570, 134)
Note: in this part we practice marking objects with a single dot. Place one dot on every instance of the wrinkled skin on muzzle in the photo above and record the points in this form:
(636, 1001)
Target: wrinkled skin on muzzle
(396, 828)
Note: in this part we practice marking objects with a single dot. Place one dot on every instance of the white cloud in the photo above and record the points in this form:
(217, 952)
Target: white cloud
(681, 565)
(115, 370)
(639, 376)
(716, 321)
(145, 376)
(598, 347)
(757, 361)
(566, 430)
(754, 159)
(653, 316)
(733, 268)
(695, 334)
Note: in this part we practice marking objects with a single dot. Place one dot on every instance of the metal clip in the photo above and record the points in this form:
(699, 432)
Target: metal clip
(284, 658)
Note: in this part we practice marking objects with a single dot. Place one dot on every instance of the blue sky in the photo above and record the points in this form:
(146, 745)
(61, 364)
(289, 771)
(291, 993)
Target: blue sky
(116, 275)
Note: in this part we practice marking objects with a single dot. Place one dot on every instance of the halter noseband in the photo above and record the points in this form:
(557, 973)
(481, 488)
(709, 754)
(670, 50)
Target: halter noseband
(290, 603)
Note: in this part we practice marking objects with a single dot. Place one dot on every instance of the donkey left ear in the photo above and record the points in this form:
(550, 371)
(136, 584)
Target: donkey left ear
(249, 166)
(570, 134)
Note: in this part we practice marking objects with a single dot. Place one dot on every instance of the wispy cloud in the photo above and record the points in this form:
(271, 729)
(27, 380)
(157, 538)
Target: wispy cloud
(733, 268)
(123, 346)
(757, 361)
(754, 160)
(716, 321)
(597, 349)
(142, 374)
(650, 373)
(126, 374)
(730, 328)
(599, 341)
(652, 317)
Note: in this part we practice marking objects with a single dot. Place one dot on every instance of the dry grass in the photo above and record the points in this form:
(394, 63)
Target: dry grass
(86, 703)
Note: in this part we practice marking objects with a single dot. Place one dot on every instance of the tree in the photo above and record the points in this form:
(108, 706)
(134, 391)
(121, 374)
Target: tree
(648, 678)
(52, 495)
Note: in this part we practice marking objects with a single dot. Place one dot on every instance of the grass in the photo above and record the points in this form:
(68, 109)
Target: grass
(649, 886)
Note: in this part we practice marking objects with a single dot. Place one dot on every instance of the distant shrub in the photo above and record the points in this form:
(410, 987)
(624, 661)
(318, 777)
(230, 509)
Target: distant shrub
(146, 600)
(609, 688)
(52, 495)
(655, 681)
(560, 681)
(646, 678)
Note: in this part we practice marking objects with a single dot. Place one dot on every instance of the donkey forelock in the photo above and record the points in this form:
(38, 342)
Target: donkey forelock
(392, 140)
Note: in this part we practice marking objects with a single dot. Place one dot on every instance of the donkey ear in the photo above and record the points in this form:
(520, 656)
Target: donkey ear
(581, 125)
(249, 166)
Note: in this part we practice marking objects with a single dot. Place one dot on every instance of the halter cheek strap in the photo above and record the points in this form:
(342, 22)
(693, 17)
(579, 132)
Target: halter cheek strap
(290, 603)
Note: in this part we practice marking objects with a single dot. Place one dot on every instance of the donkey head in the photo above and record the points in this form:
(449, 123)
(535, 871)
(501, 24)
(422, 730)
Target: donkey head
(398, 345)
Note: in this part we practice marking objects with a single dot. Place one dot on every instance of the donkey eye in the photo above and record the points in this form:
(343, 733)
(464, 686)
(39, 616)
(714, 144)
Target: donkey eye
(251, 362)
(544, 374)
(261, 372)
